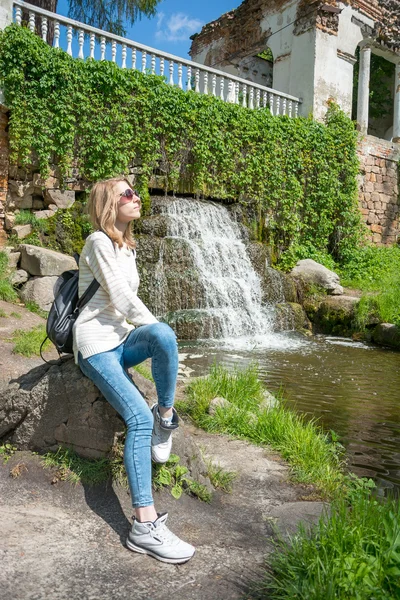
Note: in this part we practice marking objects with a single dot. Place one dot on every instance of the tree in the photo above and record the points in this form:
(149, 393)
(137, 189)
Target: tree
(105, 14)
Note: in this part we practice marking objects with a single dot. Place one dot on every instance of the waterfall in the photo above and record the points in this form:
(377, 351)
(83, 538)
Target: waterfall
(232, 287)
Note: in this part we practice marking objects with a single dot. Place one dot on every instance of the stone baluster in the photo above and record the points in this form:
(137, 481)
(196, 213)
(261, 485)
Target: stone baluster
(214, 84)
(363, 90)
(180, 86)
(221, 88)
(44, 29)
(258, 96)
(264, 99)
(284, 105)
(251, 98)
(31, 24)
(69, 40)
(244, 100)
(278, 105)
(102, 48)
(290, 108)
(153, 64)
(236, 92)
(171, 72)
(144, 61)
(134, 58)
(162, 66)
(296, 109)
(197, 80)
(271, 103)
(92, 45)
(205, 82)
(81, 39)
(18, 15)
(231, 91)
(189, 78)
(56, 34)
(123, 54)
(113, 51)
(396, 116)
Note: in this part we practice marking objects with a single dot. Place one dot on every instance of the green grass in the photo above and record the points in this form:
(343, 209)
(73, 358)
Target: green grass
(27, 342)
(26, 217)
(6, 451)
(16, 315)
(311, 454)
(7, 292)
(35, 308)
(220, 478)
(76, 469)
(144, 371)
(376, 271)
(3, 314)
(352, 554)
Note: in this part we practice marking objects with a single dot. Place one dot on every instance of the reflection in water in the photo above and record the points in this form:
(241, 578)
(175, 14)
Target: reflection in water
(350, 387)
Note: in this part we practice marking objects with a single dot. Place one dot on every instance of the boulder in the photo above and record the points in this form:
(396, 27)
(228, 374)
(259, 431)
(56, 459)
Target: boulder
(290, 316)
(55, 404)
(316, 274)
(216, 403)
(19, 277)
(9, 220)
(43, 262)
(61, 198)
(386, 334)
(43, 214)
(40, 290)
(334, 315)
(21, 231)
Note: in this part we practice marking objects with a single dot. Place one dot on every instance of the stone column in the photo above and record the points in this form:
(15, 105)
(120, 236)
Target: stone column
(396, 118)
(363, 90)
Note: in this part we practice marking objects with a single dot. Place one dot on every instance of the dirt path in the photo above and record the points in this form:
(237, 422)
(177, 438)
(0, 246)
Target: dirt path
(61, 542)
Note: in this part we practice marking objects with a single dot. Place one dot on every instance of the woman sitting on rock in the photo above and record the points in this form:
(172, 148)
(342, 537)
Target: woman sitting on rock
(106, 344)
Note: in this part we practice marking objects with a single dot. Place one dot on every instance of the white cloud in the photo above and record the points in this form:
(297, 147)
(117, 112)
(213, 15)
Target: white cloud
(177, 27)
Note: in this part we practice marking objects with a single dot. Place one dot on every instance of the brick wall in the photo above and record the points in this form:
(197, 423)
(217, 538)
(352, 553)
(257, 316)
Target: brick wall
(379, 188)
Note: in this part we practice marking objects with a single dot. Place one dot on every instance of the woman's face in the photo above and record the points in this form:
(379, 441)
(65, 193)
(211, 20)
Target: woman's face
(128, 202)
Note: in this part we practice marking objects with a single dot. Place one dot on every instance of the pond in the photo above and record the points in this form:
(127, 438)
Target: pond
(350, 387)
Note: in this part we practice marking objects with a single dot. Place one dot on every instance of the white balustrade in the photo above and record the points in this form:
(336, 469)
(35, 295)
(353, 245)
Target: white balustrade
(236, 89)
(81, 36)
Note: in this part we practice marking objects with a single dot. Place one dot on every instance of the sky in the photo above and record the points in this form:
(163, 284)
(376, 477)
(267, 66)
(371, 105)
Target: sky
(175, 22)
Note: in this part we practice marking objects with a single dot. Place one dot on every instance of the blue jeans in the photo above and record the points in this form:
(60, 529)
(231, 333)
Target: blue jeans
(107, 370)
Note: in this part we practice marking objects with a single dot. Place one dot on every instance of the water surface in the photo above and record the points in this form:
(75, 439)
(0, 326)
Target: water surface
(351, 387)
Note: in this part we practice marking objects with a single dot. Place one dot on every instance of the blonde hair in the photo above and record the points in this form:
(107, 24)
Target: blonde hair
(103, 211)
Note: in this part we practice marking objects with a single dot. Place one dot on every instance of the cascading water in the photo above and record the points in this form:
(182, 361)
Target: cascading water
(232, 287)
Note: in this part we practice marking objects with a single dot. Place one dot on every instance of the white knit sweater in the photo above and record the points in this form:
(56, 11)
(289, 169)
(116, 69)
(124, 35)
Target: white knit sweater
(102, 324)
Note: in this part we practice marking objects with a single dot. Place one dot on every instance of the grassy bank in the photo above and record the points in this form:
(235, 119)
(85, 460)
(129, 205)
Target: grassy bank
(312, 455)
(376, 271)
(354, 554)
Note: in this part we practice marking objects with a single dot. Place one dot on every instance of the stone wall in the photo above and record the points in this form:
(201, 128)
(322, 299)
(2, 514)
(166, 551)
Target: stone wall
(379, 188)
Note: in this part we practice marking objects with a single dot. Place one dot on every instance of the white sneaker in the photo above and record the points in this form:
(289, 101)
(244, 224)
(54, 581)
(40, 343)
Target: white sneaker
(161, 440)
(158, 541)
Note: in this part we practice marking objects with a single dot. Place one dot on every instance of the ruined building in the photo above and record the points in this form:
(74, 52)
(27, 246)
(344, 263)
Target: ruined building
(348, 50)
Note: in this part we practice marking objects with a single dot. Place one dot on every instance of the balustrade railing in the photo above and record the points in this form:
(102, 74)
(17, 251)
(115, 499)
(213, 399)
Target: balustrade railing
(83, 41)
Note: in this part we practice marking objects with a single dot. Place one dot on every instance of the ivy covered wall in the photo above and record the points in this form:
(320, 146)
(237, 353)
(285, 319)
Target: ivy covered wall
(299, 176)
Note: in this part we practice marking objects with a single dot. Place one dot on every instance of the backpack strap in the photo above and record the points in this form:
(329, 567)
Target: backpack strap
(87, 294)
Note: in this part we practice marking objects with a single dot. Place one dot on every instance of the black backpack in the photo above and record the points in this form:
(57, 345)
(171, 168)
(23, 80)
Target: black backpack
(65, 309)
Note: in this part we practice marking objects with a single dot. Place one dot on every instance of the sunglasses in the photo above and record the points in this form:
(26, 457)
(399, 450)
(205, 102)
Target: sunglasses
(128, 195)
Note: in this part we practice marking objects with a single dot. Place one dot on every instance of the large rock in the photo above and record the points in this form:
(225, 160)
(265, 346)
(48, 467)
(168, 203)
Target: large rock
(386, 334)
(61, 198)
(19, 277)
(275, 285)
(316, 274)
(56, 405)
(291, 316)
(21, 231)
(334, 314)
(43, 262)
(13, 257)
(40, 290)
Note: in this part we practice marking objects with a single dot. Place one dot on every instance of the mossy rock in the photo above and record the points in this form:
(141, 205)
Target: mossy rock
(335, 315)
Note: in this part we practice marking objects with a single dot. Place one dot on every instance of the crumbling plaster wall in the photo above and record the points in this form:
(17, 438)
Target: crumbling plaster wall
(314, 58)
